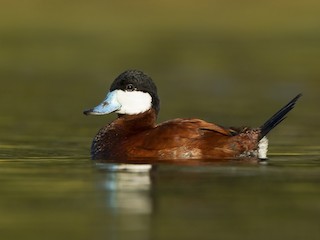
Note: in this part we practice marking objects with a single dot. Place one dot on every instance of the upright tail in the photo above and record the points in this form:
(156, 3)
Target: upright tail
(278, 117)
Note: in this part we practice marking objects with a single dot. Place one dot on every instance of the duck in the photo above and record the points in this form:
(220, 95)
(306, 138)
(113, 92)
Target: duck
(135, 134)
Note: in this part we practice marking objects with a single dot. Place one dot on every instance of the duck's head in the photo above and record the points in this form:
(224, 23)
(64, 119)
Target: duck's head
(132, 92)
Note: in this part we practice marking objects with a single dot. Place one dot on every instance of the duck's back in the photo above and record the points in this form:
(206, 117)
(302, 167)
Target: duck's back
(174, 139)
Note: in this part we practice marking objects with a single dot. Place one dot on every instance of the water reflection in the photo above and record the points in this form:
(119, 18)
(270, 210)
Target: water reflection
(128, 187)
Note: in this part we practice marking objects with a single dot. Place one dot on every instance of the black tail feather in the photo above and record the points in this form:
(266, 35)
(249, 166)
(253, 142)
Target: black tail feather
(278, 117)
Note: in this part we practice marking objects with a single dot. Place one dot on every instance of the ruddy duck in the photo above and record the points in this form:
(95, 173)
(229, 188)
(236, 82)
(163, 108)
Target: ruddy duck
(135, 135)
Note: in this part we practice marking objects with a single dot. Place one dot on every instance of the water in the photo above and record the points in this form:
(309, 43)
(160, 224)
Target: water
(78, 199)
(223, 62)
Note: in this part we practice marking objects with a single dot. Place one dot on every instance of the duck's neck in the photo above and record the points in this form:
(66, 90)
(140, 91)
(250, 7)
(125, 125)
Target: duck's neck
(138, 122)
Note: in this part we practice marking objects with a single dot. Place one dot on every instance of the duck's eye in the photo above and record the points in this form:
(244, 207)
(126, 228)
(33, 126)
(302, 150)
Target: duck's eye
(130, 87)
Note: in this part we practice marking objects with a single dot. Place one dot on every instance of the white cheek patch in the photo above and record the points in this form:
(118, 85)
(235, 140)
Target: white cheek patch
(134, 102)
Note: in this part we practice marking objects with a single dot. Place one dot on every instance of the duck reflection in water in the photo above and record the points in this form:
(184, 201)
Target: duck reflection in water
(128, 187)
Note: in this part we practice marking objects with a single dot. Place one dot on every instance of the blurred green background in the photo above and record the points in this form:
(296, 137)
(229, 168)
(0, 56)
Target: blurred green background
(230, 62)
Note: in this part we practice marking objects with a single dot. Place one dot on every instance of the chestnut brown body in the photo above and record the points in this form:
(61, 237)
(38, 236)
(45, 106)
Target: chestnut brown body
(138, 136)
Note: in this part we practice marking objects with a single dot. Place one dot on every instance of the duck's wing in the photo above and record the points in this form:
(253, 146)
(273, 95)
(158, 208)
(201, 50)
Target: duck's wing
(179, 137)
(193, 124)
(205, 126)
